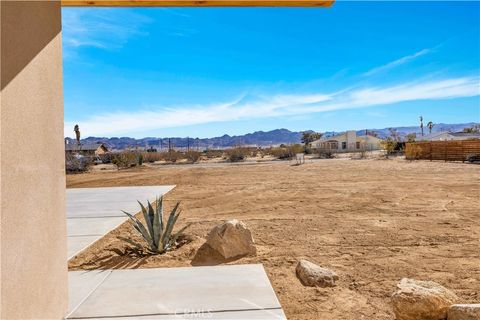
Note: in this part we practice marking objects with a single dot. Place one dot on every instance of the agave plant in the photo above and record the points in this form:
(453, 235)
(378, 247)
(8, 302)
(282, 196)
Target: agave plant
(157, 234)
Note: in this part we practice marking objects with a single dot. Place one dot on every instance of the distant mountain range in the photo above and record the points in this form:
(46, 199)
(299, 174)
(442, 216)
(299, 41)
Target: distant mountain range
(258, 138)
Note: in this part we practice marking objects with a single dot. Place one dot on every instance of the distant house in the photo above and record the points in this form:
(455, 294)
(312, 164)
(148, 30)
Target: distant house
(86, 149)
(347, 142)
(445, 136)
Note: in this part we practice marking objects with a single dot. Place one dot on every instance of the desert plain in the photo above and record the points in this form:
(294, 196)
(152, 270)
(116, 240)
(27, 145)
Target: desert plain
(371, 221)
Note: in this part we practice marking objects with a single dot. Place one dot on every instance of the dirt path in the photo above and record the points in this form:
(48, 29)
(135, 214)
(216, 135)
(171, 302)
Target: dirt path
(372, 221)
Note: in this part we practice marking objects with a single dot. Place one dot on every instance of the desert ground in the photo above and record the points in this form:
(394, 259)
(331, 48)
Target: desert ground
(371, 221)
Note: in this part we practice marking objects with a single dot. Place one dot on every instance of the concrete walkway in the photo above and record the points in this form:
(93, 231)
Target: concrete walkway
(218, 292)
(93, 212)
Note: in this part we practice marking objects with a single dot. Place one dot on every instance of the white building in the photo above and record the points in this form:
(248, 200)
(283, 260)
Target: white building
(347, 142)
(445, 136)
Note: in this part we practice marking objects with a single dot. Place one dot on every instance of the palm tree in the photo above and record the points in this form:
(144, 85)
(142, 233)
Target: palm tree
(421, 124)
(430, 126)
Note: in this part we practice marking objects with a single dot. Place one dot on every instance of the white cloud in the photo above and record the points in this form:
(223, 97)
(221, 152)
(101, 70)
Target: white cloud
(104, 28)
(397, 62)
(247, 107)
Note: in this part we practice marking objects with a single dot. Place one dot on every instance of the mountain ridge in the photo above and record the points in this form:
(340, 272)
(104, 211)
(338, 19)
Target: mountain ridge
(257, 138)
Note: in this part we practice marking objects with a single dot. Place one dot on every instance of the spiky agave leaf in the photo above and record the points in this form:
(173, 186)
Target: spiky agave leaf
(147, 219)
(169, 226)
(174, 238)
(158, 221)
(141, 229)
(151, 214)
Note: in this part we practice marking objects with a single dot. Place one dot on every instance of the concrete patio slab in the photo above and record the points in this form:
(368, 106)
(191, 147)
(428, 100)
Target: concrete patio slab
(93, 212)
(216, 292)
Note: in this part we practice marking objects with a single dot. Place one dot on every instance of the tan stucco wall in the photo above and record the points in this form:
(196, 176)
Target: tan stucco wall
(32, 217)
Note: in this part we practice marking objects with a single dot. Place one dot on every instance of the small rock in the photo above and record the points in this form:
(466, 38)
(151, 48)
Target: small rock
(313, 275)
(232, 239)
(464, 312)
(421, 300)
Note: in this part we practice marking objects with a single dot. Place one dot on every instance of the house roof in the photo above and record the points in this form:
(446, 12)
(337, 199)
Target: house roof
(452, 134)
(83, 146)
(465, 134)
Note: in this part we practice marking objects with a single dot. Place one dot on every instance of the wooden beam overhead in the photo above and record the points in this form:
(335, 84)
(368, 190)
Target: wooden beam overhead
(197, 3)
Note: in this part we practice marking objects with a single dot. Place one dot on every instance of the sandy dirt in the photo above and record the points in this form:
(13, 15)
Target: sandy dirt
(371, 221)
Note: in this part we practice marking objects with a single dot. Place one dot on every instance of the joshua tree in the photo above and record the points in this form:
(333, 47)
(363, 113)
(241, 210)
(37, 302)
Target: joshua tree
(394, 134)
(76, 129)
(310, 136)
(430, 126)
(421, 124)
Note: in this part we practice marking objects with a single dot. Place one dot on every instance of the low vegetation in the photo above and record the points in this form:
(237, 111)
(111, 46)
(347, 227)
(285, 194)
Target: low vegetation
(157, 234)
(236, 154)
(286, 152)
(126, 159)
(76, 164)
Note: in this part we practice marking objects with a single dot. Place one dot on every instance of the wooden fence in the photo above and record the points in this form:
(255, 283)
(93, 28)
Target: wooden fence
(452, 150)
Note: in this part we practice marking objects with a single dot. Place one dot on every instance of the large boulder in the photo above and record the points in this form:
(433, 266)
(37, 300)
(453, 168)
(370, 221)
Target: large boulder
(232, 239)
(464, 312)
(421, 300)
(313, 275)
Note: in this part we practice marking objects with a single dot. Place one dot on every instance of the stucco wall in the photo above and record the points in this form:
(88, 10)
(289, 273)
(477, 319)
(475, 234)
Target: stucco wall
(32, 217)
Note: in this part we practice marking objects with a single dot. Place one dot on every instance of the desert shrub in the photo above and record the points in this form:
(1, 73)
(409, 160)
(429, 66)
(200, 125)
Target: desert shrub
(158, 234)
(193, 156)
(172, 156)
(307, 150)
(389, 145)
(125, 159)
(287, 152)
(236, 154)
(413, 152)
(212, 154)
(473, 158)
(77, 164)
(106, 157)
(325, 154)
(152, 157)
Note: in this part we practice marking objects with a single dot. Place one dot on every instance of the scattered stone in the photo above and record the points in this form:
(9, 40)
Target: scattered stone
(464, 312)
(313, 275)
(232, 239)
(421, 300)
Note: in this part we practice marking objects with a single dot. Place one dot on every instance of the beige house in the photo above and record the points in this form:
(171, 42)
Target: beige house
(347, 142)
(86, 149)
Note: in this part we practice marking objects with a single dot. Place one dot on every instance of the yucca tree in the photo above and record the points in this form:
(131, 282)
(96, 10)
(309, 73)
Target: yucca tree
(157, 233)
(430, 126)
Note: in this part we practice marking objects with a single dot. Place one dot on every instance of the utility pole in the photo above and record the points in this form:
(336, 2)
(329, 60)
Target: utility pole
(188, 144)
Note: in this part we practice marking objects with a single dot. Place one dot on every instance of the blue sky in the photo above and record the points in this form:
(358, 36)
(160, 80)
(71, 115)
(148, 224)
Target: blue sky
(204, 72)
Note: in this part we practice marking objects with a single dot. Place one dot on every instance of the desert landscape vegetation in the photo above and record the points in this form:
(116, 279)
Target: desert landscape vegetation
(372, 221)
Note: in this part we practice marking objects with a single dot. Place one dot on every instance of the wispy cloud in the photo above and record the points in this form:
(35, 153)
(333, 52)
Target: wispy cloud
(267, 106)
(101, 28)
(398, 62)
